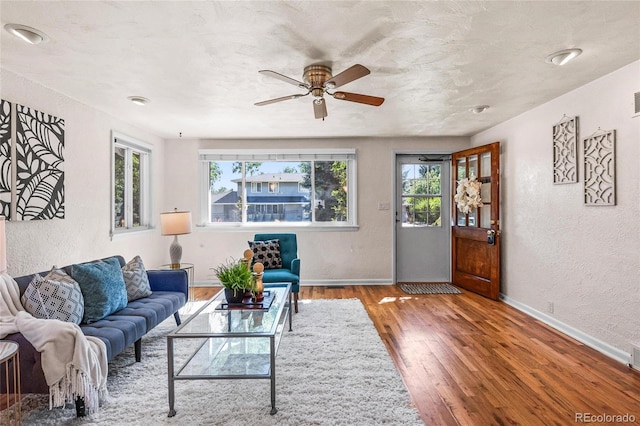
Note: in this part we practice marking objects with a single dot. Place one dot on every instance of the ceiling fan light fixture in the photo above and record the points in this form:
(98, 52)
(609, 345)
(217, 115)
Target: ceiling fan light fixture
(26, 34)
(563, 56)
(479, 109)
(139, 100)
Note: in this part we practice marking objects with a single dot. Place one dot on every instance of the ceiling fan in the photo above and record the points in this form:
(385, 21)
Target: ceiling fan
(318, 80)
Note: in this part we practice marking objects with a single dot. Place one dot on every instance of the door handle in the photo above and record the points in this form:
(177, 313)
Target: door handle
(491, 237)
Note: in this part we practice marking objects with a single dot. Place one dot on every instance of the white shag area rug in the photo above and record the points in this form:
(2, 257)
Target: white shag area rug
(332, 369)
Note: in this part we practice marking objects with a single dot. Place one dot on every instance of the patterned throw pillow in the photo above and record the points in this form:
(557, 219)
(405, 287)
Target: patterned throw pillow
(136, 279)
(57, 274)
(267, 252)
(52, 299)
(102, 286)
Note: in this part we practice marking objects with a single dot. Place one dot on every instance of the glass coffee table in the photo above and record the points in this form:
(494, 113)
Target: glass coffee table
(222, 342)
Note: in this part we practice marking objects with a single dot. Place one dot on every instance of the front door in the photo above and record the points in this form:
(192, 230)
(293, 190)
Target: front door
(475, 229)
(422, 218)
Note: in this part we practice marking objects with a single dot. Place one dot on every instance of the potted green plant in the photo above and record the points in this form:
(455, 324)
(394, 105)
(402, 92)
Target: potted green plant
(236, 278)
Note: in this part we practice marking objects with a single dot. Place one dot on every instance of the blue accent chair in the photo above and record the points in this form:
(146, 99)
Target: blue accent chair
(290, 272)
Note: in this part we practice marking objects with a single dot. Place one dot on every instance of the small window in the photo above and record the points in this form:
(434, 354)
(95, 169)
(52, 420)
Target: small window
(256, 187)
(421, 195)
(274, 187)
(131, 182)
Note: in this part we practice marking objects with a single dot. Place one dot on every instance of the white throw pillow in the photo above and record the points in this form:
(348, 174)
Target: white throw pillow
(51, 299)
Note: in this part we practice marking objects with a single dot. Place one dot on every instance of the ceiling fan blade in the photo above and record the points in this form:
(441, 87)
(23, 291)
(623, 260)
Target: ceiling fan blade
(284, 78)
(284, 98)
(355, 97)
(320, 108)
(347, 76)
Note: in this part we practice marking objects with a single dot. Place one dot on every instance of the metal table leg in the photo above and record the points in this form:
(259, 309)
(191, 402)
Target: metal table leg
(272, 342)
(172, 411)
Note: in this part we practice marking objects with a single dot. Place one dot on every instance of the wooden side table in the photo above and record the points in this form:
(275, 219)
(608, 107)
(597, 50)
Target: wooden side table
(190, 273)
(10, 368)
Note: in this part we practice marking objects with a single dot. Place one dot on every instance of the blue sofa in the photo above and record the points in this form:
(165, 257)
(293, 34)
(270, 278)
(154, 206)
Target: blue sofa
(119, 330)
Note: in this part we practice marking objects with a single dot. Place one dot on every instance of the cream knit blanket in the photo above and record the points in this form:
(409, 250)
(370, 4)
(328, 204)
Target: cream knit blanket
(74, 365)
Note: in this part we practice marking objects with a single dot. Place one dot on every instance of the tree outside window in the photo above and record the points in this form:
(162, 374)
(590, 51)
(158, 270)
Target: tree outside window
(130, 185)
(421, 195)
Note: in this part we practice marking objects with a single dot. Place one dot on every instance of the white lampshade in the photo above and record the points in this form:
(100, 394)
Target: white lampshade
(175, 223)
(3, 247)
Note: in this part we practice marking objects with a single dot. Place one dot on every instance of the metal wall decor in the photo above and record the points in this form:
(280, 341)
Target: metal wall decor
(600, 168)
(31, 163)
(565, 151)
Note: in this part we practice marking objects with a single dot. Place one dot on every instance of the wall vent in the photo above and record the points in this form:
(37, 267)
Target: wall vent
(636, 103)
(635, 357)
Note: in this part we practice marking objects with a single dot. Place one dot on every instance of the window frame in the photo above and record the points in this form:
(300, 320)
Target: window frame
(255, 186)
(132, 146)
(426, 196)
(274, 155)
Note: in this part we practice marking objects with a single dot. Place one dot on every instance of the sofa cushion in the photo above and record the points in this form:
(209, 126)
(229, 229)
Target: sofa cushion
(53, 299)
(102, 286)
(116, 331)
(267, 252)
(155, 308)
(136, 279)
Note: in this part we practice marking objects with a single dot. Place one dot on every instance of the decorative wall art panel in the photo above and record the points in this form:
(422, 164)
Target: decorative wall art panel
(565, 151)
(5, 159)
(39, 165)
(600, 169)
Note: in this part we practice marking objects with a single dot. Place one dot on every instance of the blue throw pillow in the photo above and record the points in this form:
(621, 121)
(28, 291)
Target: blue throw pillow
(102, 286)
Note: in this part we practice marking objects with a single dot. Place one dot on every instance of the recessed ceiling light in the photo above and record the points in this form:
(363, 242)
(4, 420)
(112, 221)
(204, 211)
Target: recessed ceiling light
(478, 109)
(28, 34)
(138, 100)
(563, 56)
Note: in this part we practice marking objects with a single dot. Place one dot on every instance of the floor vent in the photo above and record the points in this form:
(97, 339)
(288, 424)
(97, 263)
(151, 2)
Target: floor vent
(635, 357)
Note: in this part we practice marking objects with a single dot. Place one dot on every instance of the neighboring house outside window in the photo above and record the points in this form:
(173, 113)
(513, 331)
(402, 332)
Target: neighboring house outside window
(304, 188)
(130, 177)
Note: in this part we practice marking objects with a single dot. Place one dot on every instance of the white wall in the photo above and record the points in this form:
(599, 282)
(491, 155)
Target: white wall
(584, 260)
(330, 257)
(83, 234)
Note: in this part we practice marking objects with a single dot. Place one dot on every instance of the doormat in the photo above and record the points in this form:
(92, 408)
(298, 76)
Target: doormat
(428, 288)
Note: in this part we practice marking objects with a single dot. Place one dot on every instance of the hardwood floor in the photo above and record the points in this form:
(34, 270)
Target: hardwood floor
(467, 360)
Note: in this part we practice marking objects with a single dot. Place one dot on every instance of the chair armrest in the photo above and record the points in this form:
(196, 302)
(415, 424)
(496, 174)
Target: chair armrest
(169, 280)
(295, 267)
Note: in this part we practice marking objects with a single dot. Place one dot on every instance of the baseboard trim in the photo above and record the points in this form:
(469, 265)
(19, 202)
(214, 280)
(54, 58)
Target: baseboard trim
(580, 336)
(323, 283)
(339, 283)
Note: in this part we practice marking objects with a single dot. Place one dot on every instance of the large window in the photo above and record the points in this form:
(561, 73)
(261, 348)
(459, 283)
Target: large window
(298, 188)
(130, 179)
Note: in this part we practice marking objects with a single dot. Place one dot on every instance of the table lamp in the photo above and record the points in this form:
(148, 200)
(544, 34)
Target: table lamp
(175, 223)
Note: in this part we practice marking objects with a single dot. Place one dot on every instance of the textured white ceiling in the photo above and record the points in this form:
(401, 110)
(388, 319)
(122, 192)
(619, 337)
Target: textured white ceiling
(198, 61)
